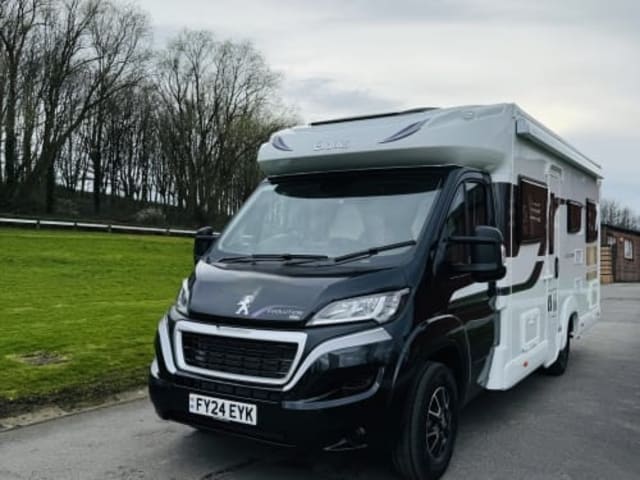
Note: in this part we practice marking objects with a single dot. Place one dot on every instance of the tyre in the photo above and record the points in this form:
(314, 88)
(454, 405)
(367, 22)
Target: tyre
(429, 424)
(560, 365)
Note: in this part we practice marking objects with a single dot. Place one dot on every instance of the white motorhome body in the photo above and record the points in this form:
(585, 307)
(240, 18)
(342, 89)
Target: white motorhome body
(387, 270)
(545, 191)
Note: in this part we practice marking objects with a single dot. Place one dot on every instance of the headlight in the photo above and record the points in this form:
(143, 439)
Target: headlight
(380, 307)
(182, 302)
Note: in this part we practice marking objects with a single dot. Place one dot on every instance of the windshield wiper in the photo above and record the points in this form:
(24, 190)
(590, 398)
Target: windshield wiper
(301, 259)
(276, 257)
(372, 251)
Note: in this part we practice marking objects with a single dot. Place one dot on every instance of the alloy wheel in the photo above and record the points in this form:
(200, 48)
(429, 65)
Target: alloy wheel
(439, 423)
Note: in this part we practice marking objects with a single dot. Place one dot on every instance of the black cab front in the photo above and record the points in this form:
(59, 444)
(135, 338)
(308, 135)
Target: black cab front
(304, 322)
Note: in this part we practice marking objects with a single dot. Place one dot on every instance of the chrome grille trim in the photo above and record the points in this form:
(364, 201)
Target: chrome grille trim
(298, 338)
(165, 345)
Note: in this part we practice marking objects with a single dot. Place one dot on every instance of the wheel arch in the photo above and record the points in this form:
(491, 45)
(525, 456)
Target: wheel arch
(568, 320)
(442, 339)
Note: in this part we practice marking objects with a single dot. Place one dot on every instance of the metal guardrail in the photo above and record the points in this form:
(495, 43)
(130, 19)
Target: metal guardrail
(103, 227)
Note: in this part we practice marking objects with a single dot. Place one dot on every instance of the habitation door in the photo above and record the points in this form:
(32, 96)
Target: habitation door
(552, 261)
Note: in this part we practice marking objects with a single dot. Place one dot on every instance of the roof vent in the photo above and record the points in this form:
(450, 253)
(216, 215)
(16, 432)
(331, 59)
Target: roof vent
(279, 144)
(405, 132)
(373, 116)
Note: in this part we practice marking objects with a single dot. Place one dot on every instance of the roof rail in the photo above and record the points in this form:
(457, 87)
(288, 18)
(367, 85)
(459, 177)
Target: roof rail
(375, 115)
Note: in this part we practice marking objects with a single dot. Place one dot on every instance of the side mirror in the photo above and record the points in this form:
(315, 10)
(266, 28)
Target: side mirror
(486, 254)
(205, 237)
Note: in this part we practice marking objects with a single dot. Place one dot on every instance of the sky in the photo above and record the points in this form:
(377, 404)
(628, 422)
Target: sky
(572, 64)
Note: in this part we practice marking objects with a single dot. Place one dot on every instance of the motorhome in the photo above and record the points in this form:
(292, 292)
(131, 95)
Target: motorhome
(388, 269)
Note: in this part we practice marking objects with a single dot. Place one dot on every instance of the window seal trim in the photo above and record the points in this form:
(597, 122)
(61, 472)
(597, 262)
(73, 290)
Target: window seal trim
(588, 239)
(574, 203)
(539, 184)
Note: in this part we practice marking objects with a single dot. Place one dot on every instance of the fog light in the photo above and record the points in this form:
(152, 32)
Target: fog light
(348, 357)
(372, 354)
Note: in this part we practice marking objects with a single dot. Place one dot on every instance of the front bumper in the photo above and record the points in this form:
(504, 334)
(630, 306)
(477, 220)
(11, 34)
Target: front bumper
(277, 422)
(298, 413)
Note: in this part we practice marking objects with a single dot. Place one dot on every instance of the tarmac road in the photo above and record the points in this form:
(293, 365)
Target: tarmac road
(584, 425)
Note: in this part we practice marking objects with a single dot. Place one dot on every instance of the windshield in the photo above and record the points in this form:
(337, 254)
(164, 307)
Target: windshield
(333, 215)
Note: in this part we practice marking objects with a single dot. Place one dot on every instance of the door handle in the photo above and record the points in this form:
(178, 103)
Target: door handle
(556, 266)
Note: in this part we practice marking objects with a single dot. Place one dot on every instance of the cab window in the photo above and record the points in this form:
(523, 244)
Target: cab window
(456, 225)
(476, 205)
(467, 211)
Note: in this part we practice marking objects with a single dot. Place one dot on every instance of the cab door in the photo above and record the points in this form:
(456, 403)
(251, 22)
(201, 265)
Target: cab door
(472, 302)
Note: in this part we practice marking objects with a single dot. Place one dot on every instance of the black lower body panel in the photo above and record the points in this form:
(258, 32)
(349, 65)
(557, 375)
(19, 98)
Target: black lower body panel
(278, 422)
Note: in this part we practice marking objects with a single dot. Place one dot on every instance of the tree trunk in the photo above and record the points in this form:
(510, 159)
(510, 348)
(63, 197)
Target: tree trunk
(51, 187)
(10, 128)
(97, 181)
(29, 115)
(96, 160)
(2, 98)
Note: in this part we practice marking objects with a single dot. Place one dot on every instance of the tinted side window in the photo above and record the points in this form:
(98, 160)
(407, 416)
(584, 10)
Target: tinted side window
(533, 212)
(553, 208)
(574, 217)
(476, 205)
(456, 225)
(592, 222)
(467, 211)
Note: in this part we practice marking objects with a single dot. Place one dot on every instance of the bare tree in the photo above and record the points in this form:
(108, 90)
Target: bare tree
(613, 213)
(116, 36)
(3, 82)
(210, 91)
(83, 111)
(91, 49)
(18, 21)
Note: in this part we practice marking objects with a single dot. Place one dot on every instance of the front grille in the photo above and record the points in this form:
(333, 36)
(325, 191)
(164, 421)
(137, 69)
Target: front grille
(239, 356)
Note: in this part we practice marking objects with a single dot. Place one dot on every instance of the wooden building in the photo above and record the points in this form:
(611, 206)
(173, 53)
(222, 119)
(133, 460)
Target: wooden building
(619, 254)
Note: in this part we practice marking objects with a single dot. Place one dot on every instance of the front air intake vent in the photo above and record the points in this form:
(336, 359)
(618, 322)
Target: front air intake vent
(239, 356)
(247, 355)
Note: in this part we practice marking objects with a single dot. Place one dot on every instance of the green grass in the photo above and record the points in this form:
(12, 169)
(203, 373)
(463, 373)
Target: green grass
(93, 300)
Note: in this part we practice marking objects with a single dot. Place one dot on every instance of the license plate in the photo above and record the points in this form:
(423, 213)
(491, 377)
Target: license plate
(221, 409)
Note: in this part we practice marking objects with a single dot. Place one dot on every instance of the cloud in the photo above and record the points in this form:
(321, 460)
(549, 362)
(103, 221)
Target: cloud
(321, 98)
(617, 14)
(572, 64)
(620, 157)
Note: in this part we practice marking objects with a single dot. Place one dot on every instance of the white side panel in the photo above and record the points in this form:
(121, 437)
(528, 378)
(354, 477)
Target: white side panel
(531, 333)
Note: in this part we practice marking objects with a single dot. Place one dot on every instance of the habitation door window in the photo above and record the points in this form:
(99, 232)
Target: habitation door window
(628, 249)
(574, 217)
(592, 222)
(533, 212)
(553, 208)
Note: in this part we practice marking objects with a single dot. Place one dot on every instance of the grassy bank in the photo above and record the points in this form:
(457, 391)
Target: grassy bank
(78, 311)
